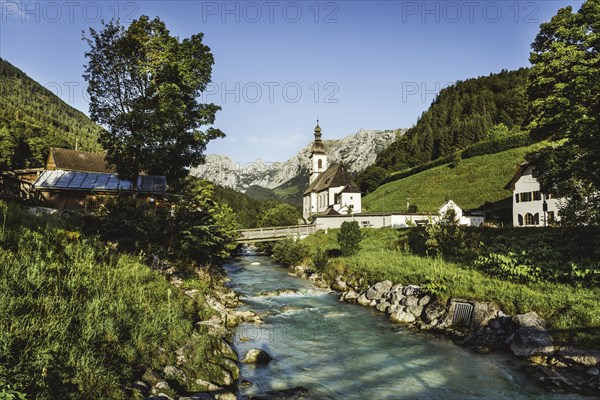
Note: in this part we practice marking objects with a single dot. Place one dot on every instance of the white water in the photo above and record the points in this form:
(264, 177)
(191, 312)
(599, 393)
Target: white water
(343, 351)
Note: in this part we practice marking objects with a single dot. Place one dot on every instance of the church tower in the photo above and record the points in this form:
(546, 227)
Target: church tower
(318, 157)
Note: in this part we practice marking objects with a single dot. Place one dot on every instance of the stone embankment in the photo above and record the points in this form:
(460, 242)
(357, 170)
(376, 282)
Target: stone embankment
(219, 379)
(481, 326)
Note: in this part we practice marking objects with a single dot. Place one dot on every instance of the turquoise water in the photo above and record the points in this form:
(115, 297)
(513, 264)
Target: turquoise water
(343, 351)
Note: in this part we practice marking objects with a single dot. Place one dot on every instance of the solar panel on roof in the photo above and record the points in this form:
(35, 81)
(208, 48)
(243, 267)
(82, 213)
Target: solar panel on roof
(51, 179)
(101, 181)
(112, 183)
(65, 179)
(89, 181)
(77, 180)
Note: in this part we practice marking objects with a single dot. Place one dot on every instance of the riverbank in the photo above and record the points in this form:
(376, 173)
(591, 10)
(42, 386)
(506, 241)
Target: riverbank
(79, 319)
(336, 350)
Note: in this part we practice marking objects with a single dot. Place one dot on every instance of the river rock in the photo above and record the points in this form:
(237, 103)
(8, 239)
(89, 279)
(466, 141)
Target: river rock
(483, 313)
(588, 358)
(401, 315)
(339, 285)
(528, 341)
(349, 296)
(423, 301)
(363, 300)
(415, 310)
(379, 290)
(257, 356)
(411, 290)
(141, 386)
(383, 306)
(411, 301)
(225, 396)
(396, 297)
(530, 320)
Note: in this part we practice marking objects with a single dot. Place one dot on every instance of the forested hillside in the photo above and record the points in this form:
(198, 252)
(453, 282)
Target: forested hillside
(465, 113)
(32, 119)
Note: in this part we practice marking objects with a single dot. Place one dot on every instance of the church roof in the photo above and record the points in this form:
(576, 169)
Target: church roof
(334, 176)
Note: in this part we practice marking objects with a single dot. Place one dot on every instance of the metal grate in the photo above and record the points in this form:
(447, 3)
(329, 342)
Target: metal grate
(462, 314)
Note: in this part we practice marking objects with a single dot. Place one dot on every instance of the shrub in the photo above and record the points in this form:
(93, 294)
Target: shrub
(290, 252)
(320, 259)
(445, 237)
(349, 238)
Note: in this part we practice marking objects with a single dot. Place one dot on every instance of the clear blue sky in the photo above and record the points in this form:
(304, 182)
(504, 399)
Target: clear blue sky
(279, 64)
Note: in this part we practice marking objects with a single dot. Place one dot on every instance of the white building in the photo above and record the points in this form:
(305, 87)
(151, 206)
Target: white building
(331, 189)
(531, 207)
(399, 220)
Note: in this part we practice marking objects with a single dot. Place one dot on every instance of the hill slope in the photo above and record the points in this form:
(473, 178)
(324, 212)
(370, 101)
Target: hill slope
(32, 119)
(463, 114)
(471, 184)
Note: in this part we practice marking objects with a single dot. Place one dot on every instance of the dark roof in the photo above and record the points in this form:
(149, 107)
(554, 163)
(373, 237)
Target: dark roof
(93, 181)
(334, 176)
(511, 184)
(74, 160)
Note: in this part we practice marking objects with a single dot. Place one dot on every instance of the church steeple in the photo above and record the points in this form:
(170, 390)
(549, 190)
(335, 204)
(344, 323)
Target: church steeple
(318, 156)
(317, 147)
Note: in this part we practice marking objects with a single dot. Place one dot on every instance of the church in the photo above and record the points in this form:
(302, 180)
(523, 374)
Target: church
(331, 189)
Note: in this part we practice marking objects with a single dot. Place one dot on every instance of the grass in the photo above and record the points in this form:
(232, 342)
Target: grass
(471, 184)
(77, 320)
(573, 314)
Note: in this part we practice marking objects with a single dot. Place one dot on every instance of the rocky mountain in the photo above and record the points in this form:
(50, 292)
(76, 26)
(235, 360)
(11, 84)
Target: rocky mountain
(356, 152)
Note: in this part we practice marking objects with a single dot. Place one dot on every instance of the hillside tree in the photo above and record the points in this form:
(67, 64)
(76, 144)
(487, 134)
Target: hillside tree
(144, 86)
(565, 106)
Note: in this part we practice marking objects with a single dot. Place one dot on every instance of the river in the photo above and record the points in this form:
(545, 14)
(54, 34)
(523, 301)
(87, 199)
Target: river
(337, 350)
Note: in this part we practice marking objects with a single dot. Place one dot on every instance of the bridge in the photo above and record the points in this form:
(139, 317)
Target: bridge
(275, 233)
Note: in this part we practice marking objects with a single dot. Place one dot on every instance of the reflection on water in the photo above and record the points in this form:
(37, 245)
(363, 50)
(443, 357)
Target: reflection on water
(342, 351)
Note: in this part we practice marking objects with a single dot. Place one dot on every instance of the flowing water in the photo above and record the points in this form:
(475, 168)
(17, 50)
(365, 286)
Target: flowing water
(337, 350)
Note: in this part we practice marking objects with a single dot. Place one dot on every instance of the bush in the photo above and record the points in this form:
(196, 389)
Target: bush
(349, 238)
(445, 237)
(290, 252)
(320, 259)
(497, 145)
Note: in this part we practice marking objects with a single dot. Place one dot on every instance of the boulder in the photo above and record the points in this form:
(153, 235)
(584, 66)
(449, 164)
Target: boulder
(411, 301)
(415, 310)
(529, 341)
(363, 300)
(379, 290)
(482, 314)
(396, 297)
(529, 320)
(401, 315)
(350, 296)
(339, 285)
(424, 300)
(411, 290)
(383, 306)
(141, 386)
(588, 358)
(257, 356)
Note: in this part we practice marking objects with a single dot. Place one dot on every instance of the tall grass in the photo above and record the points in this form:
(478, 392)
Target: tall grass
(572, 313)
(76, 320)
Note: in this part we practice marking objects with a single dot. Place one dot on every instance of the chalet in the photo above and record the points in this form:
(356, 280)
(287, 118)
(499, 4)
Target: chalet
(78, 180)
(531, 207)
(331, 189)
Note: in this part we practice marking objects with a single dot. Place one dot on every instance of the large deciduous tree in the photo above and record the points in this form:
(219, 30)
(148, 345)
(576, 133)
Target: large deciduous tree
(144, 86)
(564, 94)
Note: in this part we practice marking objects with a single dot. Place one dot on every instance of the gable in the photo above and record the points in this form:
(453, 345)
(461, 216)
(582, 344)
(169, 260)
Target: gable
(334, 176)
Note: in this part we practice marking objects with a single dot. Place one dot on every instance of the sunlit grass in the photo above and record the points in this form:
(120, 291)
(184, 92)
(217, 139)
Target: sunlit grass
(76, 320)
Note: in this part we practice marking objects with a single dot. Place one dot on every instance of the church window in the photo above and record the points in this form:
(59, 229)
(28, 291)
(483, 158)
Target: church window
(320, 164)
(520, 220)
(537, 195)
